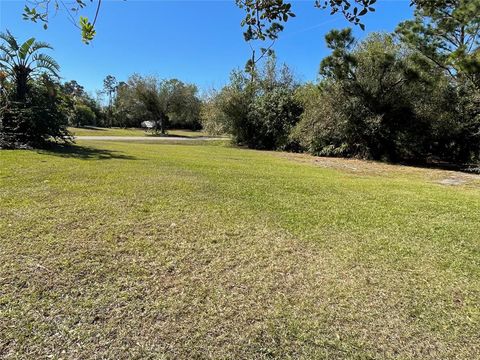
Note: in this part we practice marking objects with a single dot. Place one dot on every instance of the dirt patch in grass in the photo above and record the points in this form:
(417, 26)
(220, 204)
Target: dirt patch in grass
(453, 181)
(374, 168)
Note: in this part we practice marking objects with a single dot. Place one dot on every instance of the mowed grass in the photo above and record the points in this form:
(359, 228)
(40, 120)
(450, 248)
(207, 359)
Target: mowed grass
(129, 250)
(99, 131)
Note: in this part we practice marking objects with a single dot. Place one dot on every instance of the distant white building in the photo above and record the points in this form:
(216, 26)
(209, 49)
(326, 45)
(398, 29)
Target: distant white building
(148, 124)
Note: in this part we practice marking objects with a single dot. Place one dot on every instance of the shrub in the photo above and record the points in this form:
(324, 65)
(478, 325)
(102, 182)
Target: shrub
(83, 115)
(213, 119)
(271, 118)
(35, 122)
(365, 105)
(322, 127)
(258, 110)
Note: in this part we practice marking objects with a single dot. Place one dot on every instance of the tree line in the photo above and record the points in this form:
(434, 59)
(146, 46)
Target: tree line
(36, 107)
(413, 95)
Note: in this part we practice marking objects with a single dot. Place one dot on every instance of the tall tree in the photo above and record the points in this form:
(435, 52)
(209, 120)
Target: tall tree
(447, 33)
(110, 87)
(184, 105)
(368, 100)
(24, 61)
(74, 89)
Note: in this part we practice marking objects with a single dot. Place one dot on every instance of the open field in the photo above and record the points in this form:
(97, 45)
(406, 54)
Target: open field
(131, 250)
(98, 131)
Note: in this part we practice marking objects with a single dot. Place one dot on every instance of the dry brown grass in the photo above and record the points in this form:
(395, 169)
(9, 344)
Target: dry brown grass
(375, 168)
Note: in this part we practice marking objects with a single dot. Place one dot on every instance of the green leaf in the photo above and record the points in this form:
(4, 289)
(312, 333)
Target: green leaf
(24, 49)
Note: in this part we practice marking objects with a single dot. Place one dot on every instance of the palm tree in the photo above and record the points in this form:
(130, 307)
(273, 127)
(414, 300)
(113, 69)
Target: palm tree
(22, 62)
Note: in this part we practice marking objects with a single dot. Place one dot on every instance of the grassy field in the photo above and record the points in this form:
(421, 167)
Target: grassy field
(98, 131)
(121, 251)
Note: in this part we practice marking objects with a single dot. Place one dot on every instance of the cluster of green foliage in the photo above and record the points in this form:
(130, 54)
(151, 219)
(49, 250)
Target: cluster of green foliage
(377, 116)
(394, 106)
(408, 99)
(35, 121)
(82, 109)
(31, 109)
(379, 89)
(259, 109)
(35, 107)
(168, 103)
(409, 96)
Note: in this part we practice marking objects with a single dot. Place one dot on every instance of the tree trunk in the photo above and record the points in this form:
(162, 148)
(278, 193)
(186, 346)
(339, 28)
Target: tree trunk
(162, 125)
(22, 85)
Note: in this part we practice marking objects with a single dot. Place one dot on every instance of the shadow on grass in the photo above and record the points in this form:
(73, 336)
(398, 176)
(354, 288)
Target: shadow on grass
(443, 165)
(84, 152)
(150, 134)
(86, 127)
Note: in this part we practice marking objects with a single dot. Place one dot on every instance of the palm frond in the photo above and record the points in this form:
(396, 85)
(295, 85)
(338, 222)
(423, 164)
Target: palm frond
(6, 66)
(6, 49)
(45, 62)
(5, 62)
(10, 40)
(46, 67)
(15, 59)
(25, 48)
(6, 58)
(39, 45)
(44, 58)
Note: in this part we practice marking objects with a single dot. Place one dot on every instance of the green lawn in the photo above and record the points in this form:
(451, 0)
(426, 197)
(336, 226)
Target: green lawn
(98, 131)
(129, 250)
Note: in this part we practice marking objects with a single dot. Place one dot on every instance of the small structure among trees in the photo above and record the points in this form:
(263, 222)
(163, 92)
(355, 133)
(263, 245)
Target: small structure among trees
(164, 102)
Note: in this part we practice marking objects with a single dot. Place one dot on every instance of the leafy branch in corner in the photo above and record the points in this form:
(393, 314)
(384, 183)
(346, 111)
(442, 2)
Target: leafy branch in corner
(41, 10)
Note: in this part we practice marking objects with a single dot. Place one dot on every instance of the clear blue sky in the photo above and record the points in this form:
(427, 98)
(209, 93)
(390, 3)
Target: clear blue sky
(195, 41)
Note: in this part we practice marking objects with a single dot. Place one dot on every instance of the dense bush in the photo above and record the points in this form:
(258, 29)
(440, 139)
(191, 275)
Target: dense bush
(366, 104)
(80, 107)
(83, 115)
(258, 110)
(321, 128)
(377, 100)
(456, 124)
(36, 121)
(213, 119)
